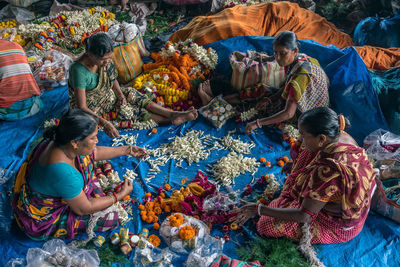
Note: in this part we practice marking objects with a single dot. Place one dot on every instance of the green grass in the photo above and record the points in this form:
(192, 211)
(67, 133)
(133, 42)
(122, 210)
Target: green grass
(280, 252)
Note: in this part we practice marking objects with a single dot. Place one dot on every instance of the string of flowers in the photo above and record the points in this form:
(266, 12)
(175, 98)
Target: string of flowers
(248, 114)
(167, 83)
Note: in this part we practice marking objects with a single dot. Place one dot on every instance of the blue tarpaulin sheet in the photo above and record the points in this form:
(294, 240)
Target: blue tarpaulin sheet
(376, 245)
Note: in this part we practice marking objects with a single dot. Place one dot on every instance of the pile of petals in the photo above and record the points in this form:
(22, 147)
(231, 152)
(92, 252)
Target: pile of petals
(187, 200)
(169, 79)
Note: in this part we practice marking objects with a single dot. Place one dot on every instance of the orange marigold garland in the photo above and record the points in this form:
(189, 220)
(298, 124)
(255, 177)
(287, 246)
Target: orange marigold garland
(171, 73)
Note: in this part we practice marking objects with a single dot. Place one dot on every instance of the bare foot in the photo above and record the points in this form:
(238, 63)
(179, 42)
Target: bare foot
(204, 97)
(184, 116)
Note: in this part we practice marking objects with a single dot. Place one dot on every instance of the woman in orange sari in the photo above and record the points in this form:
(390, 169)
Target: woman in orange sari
(330, 185)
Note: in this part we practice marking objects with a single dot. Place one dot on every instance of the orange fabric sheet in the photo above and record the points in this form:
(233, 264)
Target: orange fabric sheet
(378, 58)
(265, 19)
(268, 19)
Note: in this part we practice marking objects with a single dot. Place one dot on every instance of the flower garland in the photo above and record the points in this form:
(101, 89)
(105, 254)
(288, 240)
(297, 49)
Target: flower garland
(169, 77)
(67, 28)
(248, 115)
(207, 57)
(171, 85)
(233, 3)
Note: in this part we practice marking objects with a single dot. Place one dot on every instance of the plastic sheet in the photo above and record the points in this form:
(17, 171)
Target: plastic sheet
(56, 253)
(376, 31)
(146, 255)
(22, 15)
(205, 253)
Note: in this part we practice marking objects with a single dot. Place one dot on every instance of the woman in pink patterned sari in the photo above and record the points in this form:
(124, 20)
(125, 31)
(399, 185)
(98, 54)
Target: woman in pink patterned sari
(330, 185)
(56, 189)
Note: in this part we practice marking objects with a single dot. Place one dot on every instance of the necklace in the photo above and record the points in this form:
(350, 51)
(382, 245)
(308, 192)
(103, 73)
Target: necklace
(68, 156)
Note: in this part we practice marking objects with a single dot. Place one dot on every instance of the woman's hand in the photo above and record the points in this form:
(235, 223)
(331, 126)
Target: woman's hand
(250, 127)
(263, 104)
(122, 101)
(110, 130)
(287, 168)
(245, 212)
(126, 189)
(136, 152)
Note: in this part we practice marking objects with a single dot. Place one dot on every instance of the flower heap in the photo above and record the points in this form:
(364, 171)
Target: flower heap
(231, 166)
(68, 28)
(169, 77)
(169, 84)
(289, 133)
(233, 3)
(8, 31)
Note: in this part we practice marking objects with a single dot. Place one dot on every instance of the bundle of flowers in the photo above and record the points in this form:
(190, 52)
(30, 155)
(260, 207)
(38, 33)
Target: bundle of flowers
(169, 77)
(67, 28)
(232, 3)
(8, 31)
(289, 133)
(182, 233)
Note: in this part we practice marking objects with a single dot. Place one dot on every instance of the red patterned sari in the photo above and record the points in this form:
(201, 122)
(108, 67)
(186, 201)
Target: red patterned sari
(339, 174)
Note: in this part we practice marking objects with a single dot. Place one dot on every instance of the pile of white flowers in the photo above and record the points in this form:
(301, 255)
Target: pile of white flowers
(231, 166)
(237, 145)
(272, 185)
(125, 139)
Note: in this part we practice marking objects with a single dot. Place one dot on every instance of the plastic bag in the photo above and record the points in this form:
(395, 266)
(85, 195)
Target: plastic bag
(382, 145)
(51, 71)
(147, 255)
(205, 253)
(389, 170)
(124, 32)
(218, 202)
(16, 262)
(22, 15)
(218, 111)
(56, 253)
(172, 232)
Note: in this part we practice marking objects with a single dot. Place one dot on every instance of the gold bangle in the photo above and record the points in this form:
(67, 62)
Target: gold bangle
(113, 199)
